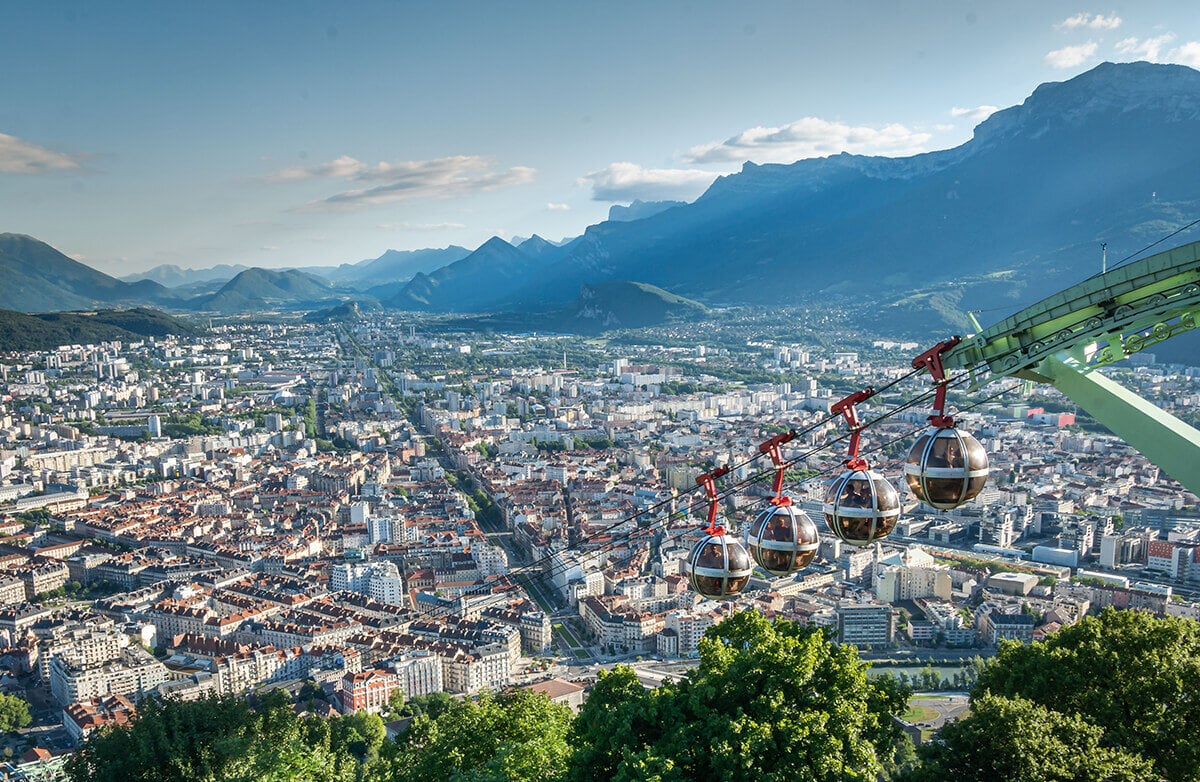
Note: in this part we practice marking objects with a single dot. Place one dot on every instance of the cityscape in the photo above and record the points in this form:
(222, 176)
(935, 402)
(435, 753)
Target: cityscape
(576, 392)
(361, 508)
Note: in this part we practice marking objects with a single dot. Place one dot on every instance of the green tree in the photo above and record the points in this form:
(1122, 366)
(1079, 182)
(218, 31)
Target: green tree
(310, 418)
(14, 713)
(518, 736)
(1016, 740)
(433, 705)
(1131, 674)
(210, 740)
(769, 701)
(396, 700)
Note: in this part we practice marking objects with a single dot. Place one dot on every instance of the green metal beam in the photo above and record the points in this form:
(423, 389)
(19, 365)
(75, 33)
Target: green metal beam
(1122, 311)
(1161, 437)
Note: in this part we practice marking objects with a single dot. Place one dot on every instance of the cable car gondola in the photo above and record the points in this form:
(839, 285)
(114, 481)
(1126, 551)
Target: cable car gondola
(861, 506)
(718, 566)
(782, 539)
(946, 467)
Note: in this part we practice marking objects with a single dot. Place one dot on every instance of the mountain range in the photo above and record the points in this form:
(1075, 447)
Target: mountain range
(1013, 214)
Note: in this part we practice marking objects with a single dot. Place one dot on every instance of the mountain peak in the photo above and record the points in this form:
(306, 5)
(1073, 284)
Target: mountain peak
(1172, 92)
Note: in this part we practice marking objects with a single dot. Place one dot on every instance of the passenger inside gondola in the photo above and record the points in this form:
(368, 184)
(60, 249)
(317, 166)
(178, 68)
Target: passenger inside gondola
(937, 455)
(954, 457)
(857, 528)
(856, 495)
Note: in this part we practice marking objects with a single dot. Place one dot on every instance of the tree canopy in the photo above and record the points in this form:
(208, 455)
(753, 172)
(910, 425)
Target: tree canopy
(1016, 740)
(1131, 674)
(14, 713)
(219, 740)
(769, 701)
(518, 736)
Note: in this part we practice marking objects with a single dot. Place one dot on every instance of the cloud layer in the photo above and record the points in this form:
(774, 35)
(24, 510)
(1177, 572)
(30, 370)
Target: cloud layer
(389, 182)
(1090, 22)
(421, 226)
(628, 182)
(977, 114)
(1072, 56)
(810, 137)
(22, 157)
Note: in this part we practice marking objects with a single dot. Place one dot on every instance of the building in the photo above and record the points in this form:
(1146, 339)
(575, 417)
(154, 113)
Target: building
(995, 623)
(419, 671)
(135, 673)
(561, 691)
(866, 625)
(368, 690)
(909, 575)
(1012, 583)
(83, 719)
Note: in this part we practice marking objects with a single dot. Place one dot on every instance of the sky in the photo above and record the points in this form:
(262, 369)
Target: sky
(272, 133)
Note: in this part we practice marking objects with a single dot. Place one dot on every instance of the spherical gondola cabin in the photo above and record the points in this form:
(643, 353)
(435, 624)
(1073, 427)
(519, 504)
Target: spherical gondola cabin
(783, 539)
(946, 467)
(718, 566)
(861, 506)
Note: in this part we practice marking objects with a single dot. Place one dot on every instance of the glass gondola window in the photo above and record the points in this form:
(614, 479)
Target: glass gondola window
(946, 468)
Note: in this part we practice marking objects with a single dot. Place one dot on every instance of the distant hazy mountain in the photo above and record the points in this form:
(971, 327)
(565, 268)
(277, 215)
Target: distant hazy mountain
(172, 276)
(478, 281)
(621, 304)
(519, 241)
(34, 277)
(1013, 214)
(639, 210)
(392, 266)
(257, 289)
(346, 312)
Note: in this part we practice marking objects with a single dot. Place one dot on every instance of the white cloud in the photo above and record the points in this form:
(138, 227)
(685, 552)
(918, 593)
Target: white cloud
(22, 157)
(1155, 50)
(628, 181)
(1090, 21)
(420, 226)
(552, 207)
(809, 137)
(1188, 54)
(977, 114)
(344, 166)
(269, 248)
(438, 178)
(1148, 49)
(1071, 56)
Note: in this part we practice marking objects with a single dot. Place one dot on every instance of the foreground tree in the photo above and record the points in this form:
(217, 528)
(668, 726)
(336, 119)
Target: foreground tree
(212, 740)
(1131, 674)
(769, 701)
(1016, 740)
(14, 713)
(518, 736)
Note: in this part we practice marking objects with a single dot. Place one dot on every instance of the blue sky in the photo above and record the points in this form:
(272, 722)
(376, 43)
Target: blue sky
(300, 133)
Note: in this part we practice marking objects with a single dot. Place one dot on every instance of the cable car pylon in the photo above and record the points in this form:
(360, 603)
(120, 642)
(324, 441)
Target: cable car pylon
(1063, 339)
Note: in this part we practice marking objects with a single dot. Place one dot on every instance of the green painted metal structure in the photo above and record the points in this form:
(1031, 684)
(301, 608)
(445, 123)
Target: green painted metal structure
(1064, 338)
